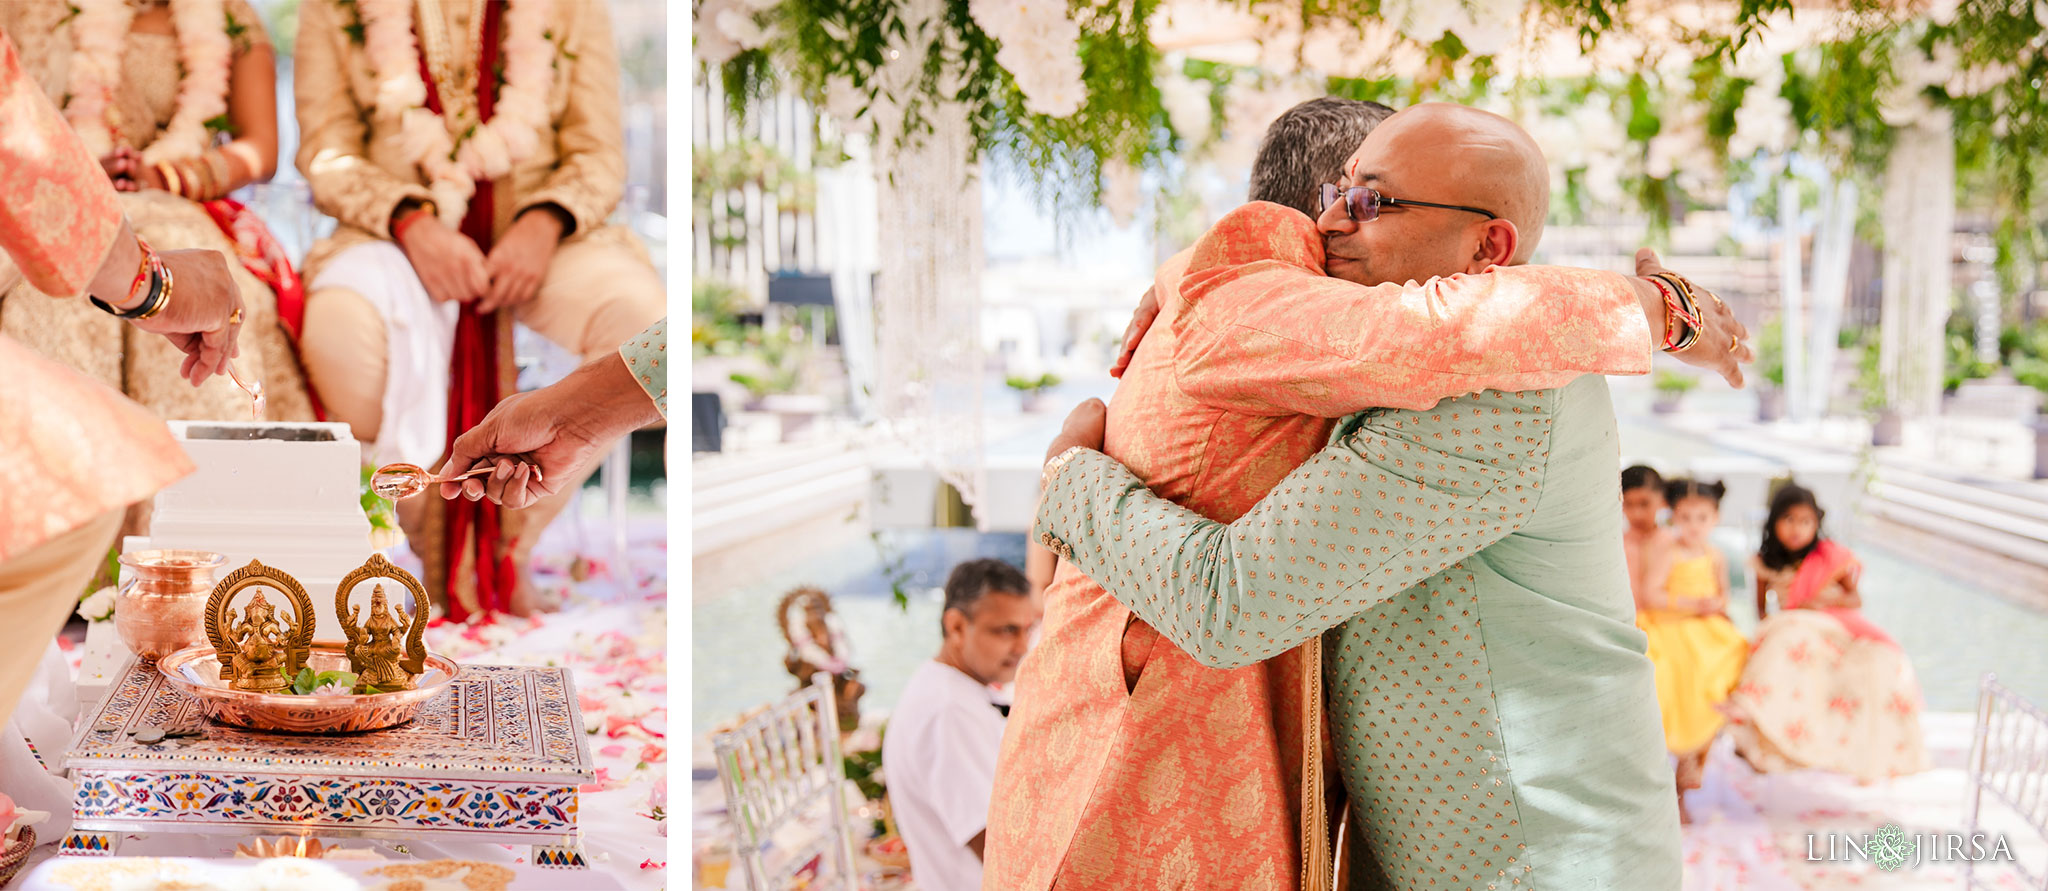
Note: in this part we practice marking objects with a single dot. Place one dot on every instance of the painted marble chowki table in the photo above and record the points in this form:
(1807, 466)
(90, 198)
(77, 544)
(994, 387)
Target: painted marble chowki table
(497, 759)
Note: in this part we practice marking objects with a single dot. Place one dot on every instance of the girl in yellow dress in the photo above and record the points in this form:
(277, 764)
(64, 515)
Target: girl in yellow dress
(1697, 652)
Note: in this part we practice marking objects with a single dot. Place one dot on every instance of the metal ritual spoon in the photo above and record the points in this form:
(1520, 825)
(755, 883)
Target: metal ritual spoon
(254, 390)
(398, 481)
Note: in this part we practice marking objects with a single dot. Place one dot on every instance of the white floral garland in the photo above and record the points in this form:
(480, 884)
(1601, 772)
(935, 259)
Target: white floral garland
(487, 152)
(99, 32)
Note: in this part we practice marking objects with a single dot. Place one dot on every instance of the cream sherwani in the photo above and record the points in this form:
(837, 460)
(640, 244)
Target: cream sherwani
(377, 348)
(367, 328)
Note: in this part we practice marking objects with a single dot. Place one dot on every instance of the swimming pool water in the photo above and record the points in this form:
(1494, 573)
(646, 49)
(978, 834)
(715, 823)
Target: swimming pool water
(1952, 631)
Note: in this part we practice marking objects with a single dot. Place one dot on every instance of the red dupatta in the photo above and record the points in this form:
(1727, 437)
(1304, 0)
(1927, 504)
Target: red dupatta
(474, 541)
(259, 253)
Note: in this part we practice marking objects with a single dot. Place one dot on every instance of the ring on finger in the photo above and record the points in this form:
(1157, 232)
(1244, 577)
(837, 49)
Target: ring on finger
(1734, 343)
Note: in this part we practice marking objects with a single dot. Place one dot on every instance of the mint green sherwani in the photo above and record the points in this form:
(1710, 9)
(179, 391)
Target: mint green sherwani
(1494, 717)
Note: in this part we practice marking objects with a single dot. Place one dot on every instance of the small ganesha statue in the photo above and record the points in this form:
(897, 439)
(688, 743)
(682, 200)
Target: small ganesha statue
(260, 650)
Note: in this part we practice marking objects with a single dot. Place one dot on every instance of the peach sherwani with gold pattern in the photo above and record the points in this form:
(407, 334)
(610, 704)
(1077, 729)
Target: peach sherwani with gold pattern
(1193, 777)
(71, 449)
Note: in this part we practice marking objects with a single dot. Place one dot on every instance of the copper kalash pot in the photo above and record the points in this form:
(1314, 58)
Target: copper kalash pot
(163, 609)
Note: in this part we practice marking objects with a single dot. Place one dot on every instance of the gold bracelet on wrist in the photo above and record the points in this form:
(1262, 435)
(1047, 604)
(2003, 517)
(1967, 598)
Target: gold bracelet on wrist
(208, 188)
(1684, 306)
(164, 297)
(172, 183)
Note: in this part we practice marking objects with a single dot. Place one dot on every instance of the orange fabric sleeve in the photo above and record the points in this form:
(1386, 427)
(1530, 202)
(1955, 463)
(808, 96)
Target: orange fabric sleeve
(58, 212)
(1264, 331)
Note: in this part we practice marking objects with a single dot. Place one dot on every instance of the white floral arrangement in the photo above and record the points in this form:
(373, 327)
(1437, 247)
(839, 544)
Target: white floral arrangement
(99, 32)
(489, 149)
(724, 28)
(1041, 48)
(98, 606)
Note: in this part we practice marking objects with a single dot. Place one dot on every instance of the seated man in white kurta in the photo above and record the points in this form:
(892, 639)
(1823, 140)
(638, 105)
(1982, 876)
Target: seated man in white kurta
(939, 753)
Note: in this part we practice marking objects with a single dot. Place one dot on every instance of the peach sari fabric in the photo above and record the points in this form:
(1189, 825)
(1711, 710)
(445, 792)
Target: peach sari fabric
(70, 449)
(1192, 777)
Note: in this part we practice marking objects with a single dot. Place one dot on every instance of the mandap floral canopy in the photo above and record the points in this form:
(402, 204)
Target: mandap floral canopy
(1644, 103)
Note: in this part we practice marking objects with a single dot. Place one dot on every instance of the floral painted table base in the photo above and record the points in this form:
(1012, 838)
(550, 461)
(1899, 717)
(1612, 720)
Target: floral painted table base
(499, 758)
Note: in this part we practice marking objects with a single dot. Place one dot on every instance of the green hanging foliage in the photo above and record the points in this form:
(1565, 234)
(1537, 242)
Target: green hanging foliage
(1836, 91)
(821, 42)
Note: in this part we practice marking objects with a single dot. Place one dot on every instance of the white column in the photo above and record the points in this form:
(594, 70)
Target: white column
(1791, 300)
(1919, 221)
(1830, 292)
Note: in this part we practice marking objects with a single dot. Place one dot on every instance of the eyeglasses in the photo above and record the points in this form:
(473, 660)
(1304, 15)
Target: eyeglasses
(1363, 204)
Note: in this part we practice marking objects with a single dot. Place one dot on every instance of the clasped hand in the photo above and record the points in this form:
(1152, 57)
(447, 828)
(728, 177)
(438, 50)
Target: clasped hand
(453, 268)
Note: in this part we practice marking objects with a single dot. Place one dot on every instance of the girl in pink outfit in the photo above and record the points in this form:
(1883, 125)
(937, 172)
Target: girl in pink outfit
(1824, 688)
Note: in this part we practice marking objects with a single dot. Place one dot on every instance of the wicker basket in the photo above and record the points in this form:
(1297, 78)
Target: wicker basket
(16, 855)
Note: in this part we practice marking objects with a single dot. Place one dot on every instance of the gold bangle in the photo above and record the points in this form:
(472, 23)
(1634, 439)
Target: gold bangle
(195, 174)
(172, 182)
(163, 299)
(202, 173)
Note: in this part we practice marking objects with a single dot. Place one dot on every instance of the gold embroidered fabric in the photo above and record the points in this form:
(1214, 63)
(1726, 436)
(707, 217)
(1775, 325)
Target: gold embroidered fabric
(111, 351)
(70, 449)
(644, 356)
(359, 174)
(55, 221)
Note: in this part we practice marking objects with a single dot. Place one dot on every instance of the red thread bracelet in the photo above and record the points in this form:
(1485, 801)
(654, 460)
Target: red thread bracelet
(142, 270)
(406, 222)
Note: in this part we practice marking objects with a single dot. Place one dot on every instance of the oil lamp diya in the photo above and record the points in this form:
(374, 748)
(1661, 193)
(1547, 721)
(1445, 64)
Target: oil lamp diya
(264, 671)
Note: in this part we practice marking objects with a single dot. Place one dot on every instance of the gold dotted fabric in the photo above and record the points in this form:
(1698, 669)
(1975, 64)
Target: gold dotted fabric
(1493, 714)
(646, 354)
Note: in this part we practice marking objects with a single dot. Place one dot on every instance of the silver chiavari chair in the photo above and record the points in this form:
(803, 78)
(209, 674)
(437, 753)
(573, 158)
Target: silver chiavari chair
(781, 766)
(2009, 765)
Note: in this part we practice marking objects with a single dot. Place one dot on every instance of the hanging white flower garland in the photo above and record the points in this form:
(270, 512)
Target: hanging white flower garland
(98, 33)
(492, 148)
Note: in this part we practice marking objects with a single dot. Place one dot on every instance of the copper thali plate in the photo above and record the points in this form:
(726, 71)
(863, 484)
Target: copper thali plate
(196, 672)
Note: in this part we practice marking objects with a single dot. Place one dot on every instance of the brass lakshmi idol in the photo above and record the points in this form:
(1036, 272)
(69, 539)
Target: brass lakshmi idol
(388, 652)
(259, 651)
